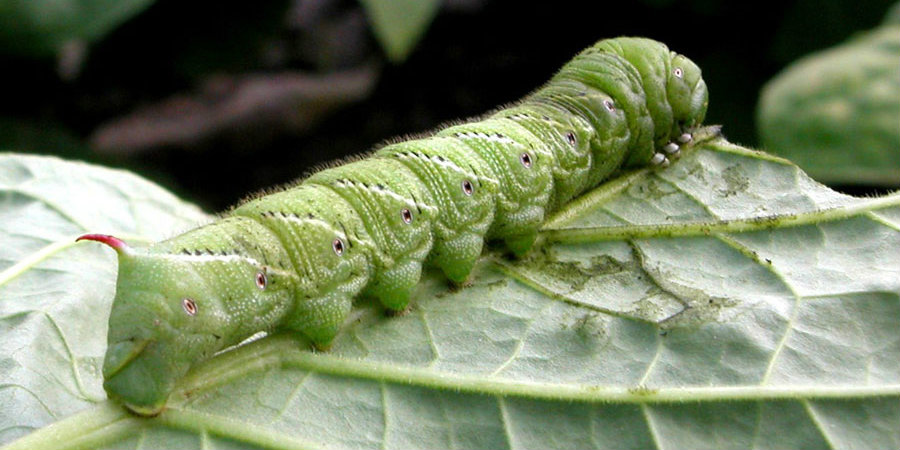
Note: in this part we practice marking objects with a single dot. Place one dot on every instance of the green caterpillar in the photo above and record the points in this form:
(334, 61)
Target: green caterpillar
(295, 259)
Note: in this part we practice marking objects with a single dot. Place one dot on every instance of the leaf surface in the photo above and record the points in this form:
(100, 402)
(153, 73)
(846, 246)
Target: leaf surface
(727, 301)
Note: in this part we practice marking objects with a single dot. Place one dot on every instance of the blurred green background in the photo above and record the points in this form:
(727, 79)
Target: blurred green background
(217, 99)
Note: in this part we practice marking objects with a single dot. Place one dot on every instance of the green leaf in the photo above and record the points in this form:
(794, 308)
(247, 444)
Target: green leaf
(835, 113)
(43, 27)
(726, 301)
(893, 15)
(399, 24)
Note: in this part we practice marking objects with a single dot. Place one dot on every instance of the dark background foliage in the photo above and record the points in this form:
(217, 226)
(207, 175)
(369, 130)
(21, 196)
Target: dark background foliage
(216, 99)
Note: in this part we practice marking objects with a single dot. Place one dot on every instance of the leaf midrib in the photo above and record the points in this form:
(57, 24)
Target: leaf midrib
(286, 351)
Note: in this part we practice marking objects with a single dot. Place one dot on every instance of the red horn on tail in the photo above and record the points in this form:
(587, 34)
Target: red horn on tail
(117, 244)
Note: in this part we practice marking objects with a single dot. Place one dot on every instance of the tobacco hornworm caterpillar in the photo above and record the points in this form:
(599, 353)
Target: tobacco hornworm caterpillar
(295, 259)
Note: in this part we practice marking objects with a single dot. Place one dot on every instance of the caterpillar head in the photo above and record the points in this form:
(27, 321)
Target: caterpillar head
(686, 92)
(173, 310)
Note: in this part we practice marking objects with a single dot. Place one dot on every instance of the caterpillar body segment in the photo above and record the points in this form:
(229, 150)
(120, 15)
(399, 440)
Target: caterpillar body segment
(615, 76)
(462, 188)
(396, 210)
(568, 137)
(331, 252)
(521, 166)
(296, 259)
(611, 136)
(654, 73)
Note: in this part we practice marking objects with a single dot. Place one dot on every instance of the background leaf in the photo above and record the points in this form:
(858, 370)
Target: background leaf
(727, 301)
(43, 27)
(835, 113)
(399, 24)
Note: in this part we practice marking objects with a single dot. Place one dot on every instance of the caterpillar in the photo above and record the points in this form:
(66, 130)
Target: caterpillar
(295, 259)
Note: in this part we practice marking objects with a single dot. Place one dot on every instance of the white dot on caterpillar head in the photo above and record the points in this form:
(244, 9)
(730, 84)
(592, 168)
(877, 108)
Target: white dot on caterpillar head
(406, 215)
(678, 72)
(685, 138)
(338, 246)
(467, 187)
(658, 159)
(261, 280)
(525, 158)
(570, 136)
(608, 104)
(189, 306)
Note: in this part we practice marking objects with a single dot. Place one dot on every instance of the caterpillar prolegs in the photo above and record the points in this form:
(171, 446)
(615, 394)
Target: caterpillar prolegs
(296, 259)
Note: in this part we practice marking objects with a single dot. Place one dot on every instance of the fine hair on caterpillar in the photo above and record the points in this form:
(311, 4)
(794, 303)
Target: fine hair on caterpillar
(294, 259)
